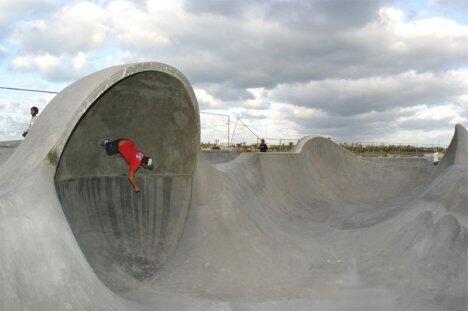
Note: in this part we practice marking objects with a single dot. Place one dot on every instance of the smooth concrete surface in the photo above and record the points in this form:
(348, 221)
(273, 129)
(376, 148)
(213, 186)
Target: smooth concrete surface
(411, 161)
(7, 148)
(315, 229)
(219, 156)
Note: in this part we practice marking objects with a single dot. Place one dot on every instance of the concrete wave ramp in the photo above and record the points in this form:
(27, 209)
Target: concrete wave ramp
(315, 229)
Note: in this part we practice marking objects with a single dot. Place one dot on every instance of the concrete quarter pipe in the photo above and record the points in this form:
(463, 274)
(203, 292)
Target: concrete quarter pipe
(315, 229)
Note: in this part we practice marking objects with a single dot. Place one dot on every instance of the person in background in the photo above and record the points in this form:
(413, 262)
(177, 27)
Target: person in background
(435, 157)
(34, 113)
(263, 147)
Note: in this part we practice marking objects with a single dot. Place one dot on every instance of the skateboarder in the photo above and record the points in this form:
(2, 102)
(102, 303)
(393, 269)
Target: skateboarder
(130, 153)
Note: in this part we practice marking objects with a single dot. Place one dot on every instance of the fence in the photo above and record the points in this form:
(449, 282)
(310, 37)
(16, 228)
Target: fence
(217, 130)
(372, 149)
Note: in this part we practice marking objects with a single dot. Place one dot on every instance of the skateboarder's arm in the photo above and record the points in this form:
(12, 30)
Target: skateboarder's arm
(131, 177)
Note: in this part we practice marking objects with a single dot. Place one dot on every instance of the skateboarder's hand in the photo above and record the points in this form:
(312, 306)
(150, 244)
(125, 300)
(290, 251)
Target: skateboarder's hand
(131, 177)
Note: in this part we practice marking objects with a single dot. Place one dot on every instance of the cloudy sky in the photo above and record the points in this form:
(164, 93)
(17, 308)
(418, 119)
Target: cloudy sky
(368, 70)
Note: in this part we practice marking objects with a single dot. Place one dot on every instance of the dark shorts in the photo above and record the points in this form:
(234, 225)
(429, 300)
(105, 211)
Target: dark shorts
(112, 147)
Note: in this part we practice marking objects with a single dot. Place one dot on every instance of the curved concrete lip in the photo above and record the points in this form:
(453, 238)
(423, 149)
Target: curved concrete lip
(317, 228)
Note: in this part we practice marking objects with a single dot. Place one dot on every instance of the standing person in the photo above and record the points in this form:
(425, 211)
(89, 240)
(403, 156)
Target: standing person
(34, 113)
(435, 157)
(263, 147)
(130, 153)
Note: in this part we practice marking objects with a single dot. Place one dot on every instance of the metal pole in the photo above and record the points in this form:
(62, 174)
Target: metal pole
(233, 131)
(223, 115)
(26, 90)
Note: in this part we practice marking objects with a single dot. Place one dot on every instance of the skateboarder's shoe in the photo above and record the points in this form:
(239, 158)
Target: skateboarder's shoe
(103, 142)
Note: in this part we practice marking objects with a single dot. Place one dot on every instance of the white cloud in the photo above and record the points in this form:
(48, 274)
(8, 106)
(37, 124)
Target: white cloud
(255, 51)
(54, 68)
(462, 100)
(432, 118)
(297, 112)
(10, 10)
(258, 101)
(77, 27)
(350, 97)
(80, 62)
(134, 25)
(393, 44)
(205, 100)
(251, 50)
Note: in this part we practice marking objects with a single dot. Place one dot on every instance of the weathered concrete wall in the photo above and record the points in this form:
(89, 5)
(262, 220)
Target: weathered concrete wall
(50, 208)
(150, 108)
(121, 232)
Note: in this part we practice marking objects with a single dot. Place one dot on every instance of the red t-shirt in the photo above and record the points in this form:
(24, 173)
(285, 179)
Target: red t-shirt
(131, 155)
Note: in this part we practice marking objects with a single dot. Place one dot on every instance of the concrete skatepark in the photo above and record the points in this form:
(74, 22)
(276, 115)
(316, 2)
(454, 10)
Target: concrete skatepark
(314, 229)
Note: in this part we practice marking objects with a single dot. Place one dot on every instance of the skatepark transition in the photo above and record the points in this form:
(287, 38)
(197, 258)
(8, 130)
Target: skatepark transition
(314, 229)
